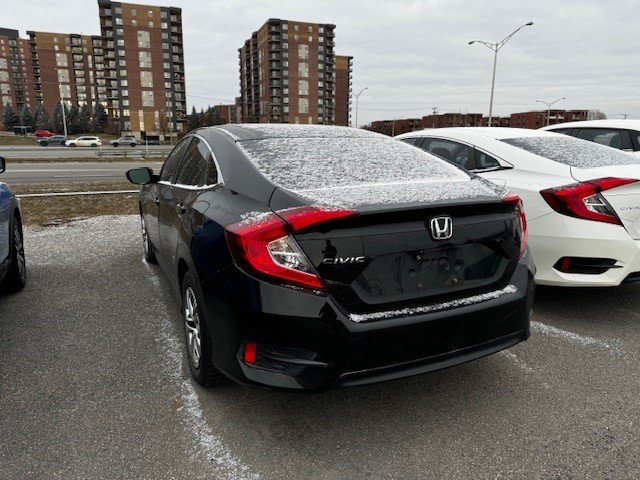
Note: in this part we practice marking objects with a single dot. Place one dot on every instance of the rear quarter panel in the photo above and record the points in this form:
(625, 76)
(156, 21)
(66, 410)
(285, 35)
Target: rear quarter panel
(6, 202)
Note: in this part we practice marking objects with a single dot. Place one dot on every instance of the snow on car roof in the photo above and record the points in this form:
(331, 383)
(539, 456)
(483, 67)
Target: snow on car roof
(359, 170)
(256, 131)
(497, 133)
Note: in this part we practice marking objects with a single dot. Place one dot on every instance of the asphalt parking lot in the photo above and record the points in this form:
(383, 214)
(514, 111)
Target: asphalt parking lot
(94, 384)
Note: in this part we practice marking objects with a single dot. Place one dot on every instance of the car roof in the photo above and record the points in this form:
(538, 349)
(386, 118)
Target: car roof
(497, 133)
(606, 123)
(258, 131)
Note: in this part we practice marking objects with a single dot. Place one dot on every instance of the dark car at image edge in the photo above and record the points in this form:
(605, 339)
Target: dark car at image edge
(308, 257)
(13, 271)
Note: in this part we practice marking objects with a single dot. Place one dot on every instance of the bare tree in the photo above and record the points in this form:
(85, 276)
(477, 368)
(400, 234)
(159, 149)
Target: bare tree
(596, 115)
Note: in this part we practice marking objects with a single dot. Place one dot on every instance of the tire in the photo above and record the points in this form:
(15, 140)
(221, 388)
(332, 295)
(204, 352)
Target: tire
(16, 277)
(149, 249)
(197, 338)
(94, 145)
(44, 144)
(114, 144)
(132, 144)
(72, 145)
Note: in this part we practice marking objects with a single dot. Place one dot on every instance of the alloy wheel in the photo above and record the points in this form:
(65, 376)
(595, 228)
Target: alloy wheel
(192, 327)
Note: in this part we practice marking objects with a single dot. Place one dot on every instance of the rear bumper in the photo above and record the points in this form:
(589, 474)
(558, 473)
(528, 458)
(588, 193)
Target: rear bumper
(306, 343)
(555, 236)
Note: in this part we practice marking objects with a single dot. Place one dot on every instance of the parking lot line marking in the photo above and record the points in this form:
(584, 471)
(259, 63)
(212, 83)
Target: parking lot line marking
(193, 414)
(516, 360)
(576, 339)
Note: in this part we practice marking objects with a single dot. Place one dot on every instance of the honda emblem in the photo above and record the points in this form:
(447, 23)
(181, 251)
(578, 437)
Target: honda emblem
(441, 228)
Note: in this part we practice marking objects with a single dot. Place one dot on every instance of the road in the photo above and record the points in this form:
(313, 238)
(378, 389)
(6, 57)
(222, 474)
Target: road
(72, 171)
(95, 385)
(36, 152)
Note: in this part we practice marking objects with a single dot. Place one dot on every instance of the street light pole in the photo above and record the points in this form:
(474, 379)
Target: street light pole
(358, 98)
(64, 116)
(549, 104)
(496, 48)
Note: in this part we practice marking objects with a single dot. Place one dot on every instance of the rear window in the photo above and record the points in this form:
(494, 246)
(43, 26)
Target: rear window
(573, 151)
(313, 163)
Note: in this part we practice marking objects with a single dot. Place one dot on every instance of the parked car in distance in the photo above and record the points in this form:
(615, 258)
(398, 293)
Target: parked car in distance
(620, 134)
(124, 141)
(582, 200)
(53, 140)
(43, 133)
(13, 270)
(84, 142)
(311, 256)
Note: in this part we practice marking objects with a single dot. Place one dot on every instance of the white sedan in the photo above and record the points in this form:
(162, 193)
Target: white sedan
(581, 199)
(84, 142)
(620, 134)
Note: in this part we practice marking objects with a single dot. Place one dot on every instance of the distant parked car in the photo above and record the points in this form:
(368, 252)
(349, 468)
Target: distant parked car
(620, 134)
(13, 271)
(54, 140)
(124, 141)
(84, 142)
(43, 133)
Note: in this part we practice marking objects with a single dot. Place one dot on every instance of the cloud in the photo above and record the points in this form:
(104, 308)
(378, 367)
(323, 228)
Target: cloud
(413, 54)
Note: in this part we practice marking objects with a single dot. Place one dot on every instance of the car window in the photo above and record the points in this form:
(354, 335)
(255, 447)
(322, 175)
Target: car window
(604, 136)
(194, 164)
(410, 141)
(485, 161)
(461, 155)
(170, 167)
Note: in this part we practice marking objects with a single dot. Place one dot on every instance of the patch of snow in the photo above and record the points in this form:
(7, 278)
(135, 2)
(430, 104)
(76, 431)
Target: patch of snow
(285, 130)
(574, 338)
(574, 151)
(516, 361)
(460, 302)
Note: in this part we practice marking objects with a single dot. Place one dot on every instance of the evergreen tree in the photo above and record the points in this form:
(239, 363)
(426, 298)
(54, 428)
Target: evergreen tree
(100, 119)
(9, 117)
(207, 117)
(83, 119)
(42, 119)
(26, 118)
(72, 120)
(217, 119)
(194, 119)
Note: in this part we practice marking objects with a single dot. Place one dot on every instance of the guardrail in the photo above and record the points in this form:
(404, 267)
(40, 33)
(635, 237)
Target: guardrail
(133, 153)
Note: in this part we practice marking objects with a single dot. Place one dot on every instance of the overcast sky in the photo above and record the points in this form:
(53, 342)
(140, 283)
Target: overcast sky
(412, 55)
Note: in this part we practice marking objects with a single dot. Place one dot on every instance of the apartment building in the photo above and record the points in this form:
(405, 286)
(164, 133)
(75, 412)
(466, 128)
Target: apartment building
(538, 119)
(452, 120)
(288, 73)
(343, 90)
(16, 81)
(135, 68)
(231, 113)
(396, 127)
(144, 66)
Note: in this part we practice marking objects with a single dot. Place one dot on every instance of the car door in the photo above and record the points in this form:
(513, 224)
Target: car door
(5, 204)
(175, 226)
(161, 196)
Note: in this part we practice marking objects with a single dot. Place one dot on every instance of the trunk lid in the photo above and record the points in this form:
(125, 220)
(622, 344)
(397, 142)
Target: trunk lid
(386, 258)
(625, 200)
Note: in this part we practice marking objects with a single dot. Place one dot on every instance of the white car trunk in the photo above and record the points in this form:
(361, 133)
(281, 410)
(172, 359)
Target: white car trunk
(625, 200)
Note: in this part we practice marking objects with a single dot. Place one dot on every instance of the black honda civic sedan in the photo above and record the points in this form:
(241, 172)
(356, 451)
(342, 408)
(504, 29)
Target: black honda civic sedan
(307, 257)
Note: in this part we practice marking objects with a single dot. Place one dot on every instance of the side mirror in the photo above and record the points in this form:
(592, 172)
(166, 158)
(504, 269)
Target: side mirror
(2, 164)
(140, 176)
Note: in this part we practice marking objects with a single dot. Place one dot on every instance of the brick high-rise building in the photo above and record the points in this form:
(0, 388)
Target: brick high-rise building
(144, 66)
(343, 90)
(64, 67)
(135, 68)
(16, 80)
(287, 73)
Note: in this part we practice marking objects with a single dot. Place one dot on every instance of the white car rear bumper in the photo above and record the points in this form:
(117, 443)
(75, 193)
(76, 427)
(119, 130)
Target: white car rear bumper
(554, 236)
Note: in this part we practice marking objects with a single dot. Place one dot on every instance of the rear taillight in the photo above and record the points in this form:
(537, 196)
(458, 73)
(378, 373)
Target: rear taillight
(516, 201)
(584, 200)
(264, 247)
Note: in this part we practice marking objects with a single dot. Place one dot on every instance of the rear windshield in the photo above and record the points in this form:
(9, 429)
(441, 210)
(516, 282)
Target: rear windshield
(573, 151)
(312, 163)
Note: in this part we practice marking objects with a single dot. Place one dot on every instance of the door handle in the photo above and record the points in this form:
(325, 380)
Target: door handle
(157, 201)
(181, 209)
